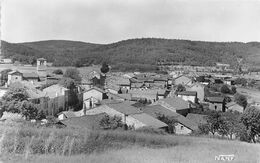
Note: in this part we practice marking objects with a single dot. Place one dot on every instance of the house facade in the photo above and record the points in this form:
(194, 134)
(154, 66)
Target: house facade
(92, 97)
(216, 103)
(188, 96)
(199, 88)
(14, 76)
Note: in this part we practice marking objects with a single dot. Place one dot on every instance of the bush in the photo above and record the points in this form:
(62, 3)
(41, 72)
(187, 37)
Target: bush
(150, 130)
(58, 72)
(224, 89)
(108, 122)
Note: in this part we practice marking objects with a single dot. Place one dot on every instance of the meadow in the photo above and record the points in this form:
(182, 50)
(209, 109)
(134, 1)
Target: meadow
(31, 144)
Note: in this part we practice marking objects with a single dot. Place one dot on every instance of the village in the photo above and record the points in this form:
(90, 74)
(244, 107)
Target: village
(141, 100)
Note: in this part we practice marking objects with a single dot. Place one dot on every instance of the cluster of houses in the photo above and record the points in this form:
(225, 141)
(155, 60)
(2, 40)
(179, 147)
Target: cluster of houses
(156, 92)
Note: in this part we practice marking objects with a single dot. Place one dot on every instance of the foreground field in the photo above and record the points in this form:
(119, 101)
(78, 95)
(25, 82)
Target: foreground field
(55, 145)
(200, 150)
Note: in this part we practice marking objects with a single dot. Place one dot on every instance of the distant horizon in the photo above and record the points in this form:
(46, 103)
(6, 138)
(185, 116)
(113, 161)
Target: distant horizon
(137, 38)
(109, 21)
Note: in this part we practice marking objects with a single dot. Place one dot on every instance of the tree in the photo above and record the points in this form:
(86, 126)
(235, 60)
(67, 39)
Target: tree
(180, 88)
(170, 121)
(68, 83)
(16, 101)
(204, 129)
(12, 100)
(73, 96)
(241, 100)
(108, 122)
(251, 119)
(73, 73)
(28, 110)
(105, 68)
(214, 121)
(233, 90)
(231, 123)
(240, 81)
(58, 72)
(41, 115)
(224, 89)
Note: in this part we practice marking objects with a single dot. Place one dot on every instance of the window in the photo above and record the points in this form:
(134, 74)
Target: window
(182, 127)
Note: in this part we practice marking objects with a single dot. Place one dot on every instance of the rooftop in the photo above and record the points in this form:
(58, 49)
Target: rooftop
(216, 99)
(149, 120)
(188, 93)
(31, 75)
(124, 107)
(176, 102)
(156, 110)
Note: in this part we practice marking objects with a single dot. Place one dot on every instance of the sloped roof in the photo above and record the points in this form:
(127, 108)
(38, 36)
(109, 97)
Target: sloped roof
(96, 88)
(124, 107)
(120, 96)
(149, 120)
(215, 99)
(86, 121)
(33, 93)
(68, 114)
(197, 118)
(188, 93)
(41, 59)
(231, 104)
(154, 110)
(54, 90)
(176, 102)
(30, 75)
(14, 72)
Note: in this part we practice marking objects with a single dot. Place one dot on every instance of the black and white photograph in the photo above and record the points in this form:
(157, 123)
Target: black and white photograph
(129, 81)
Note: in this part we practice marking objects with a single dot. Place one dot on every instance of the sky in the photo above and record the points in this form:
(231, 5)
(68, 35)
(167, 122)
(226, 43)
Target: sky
(107, 21)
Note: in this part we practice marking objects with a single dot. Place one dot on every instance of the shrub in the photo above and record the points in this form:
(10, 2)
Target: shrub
(150, 130)
(224, 89)
(58, 72)
(108, 122)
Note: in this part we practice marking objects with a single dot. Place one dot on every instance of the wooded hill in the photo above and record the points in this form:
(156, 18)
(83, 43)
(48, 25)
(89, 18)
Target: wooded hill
(134, 54)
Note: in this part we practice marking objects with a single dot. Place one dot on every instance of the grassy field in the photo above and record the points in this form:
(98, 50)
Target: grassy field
(30, 144)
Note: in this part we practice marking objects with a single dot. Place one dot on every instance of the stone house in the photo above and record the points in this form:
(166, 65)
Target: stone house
(93, 96)
(199, 88)
(175, 104)
(183, 126)
(216, 103)
(130, 115)
(14, 76)
(188, 96)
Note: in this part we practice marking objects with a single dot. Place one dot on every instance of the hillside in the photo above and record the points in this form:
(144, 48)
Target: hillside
(134, 54)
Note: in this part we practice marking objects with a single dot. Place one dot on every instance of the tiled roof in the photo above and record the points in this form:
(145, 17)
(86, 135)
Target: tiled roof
(86, 121)
(31, 90)
(215, 99)
(13, 72)
(54, 90)
(119, 96)
(197, 118)
(188, 93)
(124, 107)
(176, 102)
(68, 114)
(96, 88)
(31, 75)
(149, 120)
(155, 110)
(41, 59)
